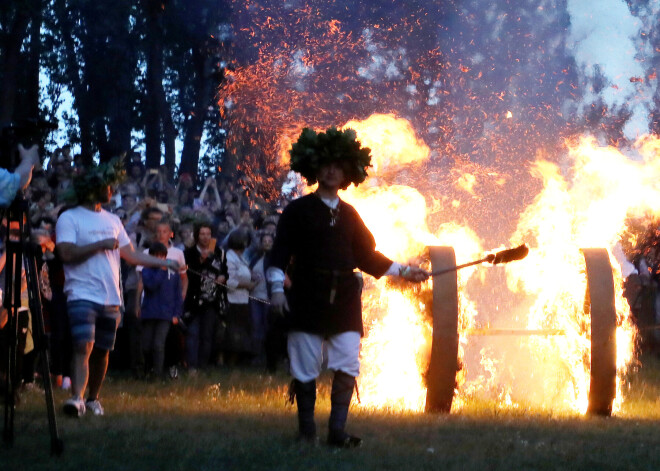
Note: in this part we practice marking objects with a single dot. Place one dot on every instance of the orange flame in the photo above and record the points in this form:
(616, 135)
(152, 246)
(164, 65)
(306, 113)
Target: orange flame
(584, 206)
(305, 74)
(392, 141)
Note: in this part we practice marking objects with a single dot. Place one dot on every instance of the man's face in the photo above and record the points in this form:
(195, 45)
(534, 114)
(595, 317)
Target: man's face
(204, 238)
(186, 235)
(152, 221)
(128, 201)
(163, 234)
(223, 227)
(331, 176)
(270, 228)
(266, 243)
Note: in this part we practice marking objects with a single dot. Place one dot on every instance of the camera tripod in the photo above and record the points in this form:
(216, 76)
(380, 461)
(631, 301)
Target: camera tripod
(20, 255)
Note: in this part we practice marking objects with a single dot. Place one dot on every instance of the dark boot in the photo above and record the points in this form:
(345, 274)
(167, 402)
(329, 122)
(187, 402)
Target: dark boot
(306, 398)
(340, 399)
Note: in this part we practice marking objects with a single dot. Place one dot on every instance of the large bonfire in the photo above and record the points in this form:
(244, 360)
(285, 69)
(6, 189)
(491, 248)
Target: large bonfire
(459, 162)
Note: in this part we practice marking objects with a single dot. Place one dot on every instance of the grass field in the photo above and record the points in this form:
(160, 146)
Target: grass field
(226, 420)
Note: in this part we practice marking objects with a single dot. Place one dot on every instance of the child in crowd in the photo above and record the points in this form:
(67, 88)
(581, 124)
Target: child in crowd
(162, 306)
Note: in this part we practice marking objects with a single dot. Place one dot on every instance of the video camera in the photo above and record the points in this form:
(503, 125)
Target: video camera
(27, 132)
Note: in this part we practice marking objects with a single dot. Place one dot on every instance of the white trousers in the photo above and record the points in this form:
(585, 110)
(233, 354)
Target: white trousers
(306, 354)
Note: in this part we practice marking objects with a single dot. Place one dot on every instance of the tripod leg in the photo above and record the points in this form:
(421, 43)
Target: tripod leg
(12, 293)
(19, 251)
(41, 347)
(10, 385)
(56, 444)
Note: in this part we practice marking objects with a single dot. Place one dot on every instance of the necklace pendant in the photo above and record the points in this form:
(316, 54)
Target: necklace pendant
(334, 214)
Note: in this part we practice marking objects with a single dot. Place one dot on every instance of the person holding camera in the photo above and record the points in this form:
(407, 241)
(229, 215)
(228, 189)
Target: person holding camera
(209, 200)
(19, 179)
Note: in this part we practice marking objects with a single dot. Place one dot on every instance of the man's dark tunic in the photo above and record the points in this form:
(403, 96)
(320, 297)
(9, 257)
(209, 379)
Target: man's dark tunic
(323, 258)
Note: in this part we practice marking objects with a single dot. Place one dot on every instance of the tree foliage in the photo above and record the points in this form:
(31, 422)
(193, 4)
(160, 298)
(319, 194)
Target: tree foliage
(19, 66)
(139, 72)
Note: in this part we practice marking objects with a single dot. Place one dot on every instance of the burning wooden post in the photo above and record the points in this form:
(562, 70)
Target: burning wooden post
(599, 299)
(441, 377)
(599, 304)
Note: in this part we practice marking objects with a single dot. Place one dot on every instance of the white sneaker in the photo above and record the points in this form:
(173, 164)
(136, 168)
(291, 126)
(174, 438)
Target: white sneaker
(74, 407)
(95, 407)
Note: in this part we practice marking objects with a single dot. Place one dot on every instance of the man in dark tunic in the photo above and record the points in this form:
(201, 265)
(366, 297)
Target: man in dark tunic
(321, 240)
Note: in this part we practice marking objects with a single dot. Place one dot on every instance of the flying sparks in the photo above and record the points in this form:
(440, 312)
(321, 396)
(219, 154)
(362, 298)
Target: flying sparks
(432, 94)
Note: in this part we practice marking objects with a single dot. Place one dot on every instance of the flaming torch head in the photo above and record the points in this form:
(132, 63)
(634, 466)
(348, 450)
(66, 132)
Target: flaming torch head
(510, 255)
(314, 150)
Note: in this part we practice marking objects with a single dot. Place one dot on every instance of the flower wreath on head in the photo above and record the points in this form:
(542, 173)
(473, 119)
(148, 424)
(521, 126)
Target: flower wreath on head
(313, 150)
(95, 180)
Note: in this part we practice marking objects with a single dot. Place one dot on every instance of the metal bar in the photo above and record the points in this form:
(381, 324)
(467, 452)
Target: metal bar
(457, 267)
(489, 332)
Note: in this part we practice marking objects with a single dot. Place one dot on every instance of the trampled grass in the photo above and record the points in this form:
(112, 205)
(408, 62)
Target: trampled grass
(224, 420)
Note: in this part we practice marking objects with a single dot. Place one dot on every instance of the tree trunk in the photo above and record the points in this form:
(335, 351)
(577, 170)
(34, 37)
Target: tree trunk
(120, 112)
(154, 21)
(12, 54)
(121, 123)
(32, 92)
(75, 82)
(169, 133)
(197, 117)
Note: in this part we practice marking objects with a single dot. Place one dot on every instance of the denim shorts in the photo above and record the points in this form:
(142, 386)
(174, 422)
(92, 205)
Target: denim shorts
(92, 322)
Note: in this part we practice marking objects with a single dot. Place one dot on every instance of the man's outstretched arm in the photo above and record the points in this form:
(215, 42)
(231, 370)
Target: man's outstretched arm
(135, 257)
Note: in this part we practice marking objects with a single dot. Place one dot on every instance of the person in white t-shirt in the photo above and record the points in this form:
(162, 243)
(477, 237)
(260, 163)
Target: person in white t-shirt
(164, 235)
(90, 242)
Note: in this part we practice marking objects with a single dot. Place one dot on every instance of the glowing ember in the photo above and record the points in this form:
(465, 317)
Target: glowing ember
(550, 371)
(457, 172)
(588, 207)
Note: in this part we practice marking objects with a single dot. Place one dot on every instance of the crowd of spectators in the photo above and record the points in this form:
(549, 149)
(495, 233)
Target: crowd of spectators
(222, 237)
(219, 315)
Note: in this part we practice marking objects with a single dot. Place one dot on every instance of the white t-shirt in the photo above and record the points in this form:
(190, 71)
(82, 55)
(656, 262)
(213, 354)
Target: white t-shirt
(97, 278)
(172, 254)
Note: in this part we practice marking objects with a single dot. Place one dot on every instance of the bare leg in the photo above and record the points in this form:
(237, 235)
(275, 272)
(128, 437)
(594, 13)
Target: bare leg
(98, 365)
(80, 368)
